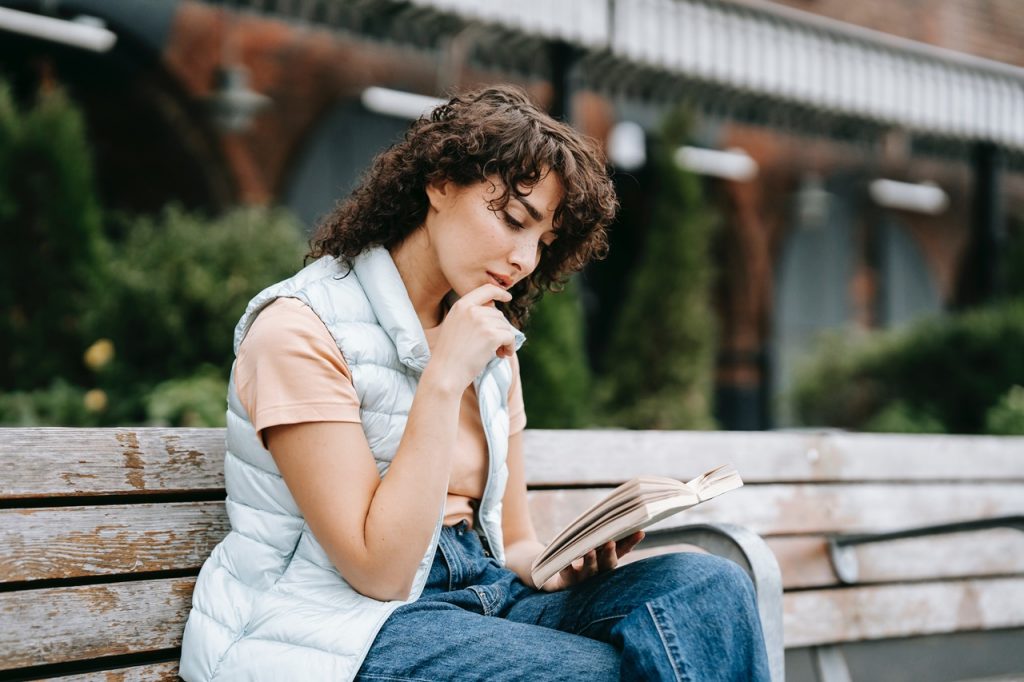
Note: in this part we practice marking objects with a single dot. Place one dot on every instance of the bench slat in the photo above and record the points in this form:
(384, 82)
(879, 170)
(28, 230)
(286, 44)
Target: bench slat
(997, 552)
(71, 542)
(558, 457)
(157, 672)
(116, 539)
(801, 508)
(880, 612)
(58, 462)
(63, 624)
(112, 539)
(35, 462)
(804, 561)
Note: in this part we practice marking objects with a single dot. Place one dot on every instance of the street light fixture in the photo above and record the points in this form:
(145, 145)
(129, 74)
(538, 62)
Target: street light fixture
(87, 33)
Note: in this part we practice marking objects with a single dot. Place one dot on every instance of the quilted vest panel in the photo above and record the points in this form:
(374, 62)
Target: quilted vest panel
(268, 603)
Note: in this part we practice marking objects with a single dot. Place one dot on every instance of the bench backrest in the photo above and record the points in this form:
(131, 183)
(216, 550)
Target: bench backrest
(103, 530)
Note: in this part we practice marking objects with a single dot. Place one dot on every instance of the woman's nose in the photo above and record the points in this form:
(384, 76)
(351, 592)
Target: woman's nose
(524, 254)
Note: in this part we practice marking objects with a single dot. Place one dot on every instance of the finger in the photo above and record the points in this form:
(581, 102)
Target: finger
(485, 294)
(505, 339)
(607, 558)
(626, 544)
(590, 563)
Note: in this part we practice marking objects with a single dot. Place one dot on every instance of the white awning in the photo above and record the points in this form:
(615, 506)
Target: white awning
(784, 54)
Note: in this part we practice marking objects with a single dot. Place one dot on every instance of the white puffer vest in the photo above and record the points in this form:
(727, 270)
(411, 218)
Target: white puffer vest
(268, 603)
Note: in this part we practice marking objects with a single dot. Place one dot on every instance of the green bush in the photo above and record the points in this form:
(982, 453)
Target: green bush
(555, 376)
(899, 417)
(59, 404)
(94, 316)
(1006, 417)
(941, 374)
(658, 370)
(156, 337)
(51, 255)
(198, 400)
(177, 283)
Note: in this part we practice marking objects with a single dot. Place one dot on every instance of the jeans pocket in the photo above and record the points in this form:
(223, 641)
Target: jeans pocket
(490, 597)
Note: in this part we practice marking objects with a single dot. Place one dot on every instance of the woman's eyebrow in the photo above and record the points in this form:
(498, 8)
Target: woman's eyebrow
(534, 213)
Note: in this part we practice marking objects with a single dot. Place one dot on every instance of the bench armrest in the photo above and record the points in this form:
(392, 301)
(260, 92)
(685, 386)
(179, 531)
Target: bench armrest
(747, 549)
(844, 560)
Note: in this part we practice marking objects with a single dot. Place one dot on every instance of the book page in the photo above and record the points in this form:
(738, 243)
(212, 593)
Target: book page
(614, 513)
(717, 481)
(636, 488)
(616, 529)
(630, 507)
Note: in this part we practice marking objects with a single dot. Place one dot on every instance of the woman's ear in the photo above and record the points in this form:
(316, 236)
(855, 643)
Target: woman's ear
(439, 193)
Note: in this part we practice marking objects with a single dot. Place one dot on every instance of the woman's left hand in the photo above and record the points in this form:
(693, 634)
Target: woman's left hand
(604, 558)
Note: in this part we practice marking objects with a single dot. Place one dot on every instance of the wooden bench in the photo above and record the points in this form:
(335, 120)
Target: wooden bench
(103, 531)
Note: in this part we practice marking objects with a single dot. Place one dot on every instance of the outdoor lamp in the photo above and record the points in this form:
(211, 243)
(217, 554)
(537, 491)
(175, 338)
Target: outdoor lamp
(233, 104)
(626, 146)
(924, 197)
(87, 33)
(397, 103)
(731, 164)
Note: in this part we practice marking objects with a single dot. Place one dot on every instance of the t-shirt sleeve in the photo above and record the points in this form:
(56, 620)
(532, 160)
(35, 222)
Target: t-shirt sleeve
(289, 370)
(516, 407)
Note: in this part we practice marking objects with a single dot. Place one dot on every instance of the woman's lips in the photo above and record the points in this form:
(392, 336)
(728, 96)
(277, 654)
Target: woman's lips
(499, 280)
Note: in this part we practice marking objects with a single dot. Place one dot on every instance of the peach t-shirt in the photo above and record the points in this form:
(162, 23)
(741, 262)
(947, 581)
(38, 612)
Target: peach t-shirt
(289, 370)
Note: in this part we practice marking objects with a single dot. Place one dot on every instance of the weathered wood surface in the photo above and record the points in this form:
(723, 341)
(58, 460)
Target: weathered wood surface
(77, 623)
(40, 462)
(555, 457)
(800, 485)
(807, 508)
(72, 542)
(886, 611)
(46, 462)
(805, 563)
(157, 672)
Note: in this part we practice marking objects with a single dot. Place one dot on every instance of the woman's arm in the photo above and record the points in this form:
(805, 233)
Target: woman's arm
(375, 530)
(521, 544)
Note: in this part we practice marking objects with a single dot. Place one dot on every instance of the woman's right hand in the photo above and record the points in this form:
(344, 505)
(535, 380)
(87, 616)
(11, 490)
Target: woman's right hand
(472, 333)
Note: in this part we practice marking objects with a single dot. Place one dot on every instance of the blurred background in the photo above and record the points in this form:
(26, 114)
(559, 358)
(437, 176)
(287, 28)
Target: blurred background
(822, 201)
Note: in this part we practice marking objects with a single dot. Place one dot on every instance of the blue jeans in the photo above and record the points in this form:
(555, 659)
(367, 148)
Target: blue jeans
(684, 616)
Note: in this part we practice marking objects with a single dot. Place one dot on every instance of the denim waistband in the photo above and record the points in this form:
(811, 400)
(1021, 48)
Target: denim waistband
(464, 553)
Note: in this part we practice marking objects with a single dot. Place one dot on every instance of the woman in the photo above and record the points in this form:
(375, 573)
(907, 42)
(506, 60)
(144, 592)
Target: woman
(394, 352)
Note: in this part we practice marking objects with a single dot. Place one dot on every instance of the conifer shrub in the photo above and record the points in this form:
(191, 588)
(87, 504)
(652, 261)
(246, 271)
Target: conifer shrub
(51, 250)
(556, 379)
(659, 362)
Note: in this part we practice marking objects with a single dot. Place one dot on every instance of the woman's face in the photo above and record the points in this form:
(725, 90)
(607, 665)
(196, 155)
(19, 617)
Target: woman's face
(477, 245)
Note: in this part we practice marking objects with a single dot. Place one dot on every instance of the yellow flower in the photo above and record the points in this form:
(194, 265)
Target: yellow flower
(95, 400)
(99, 354)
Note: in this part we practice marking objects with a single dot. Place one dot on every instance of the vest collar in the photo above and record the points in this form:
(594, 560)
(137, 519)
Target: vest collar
(382, 283)
(383, 286)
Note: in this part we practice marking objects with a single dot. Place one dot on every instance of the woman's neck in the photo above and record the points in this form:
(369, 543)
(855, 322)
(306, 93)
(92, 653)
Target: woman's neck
(417, 264)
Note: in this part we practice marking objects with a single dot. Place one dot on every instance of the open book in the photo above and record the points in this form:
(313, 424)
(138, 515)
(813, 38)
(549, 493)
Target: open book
(633, 505)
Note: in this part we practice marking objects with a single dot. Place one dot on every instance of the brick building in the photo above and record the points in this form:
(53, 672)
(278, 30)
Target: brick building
(794, 84)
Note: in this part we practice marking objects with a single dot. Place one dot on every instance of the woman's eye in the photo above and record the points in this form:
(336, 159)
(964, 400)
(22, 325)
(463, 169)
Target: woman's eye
(513, 223)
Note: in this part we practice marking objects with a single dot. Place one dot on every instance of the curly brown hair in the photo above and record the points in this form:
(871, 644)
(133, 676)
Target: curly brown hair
(493, 132)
